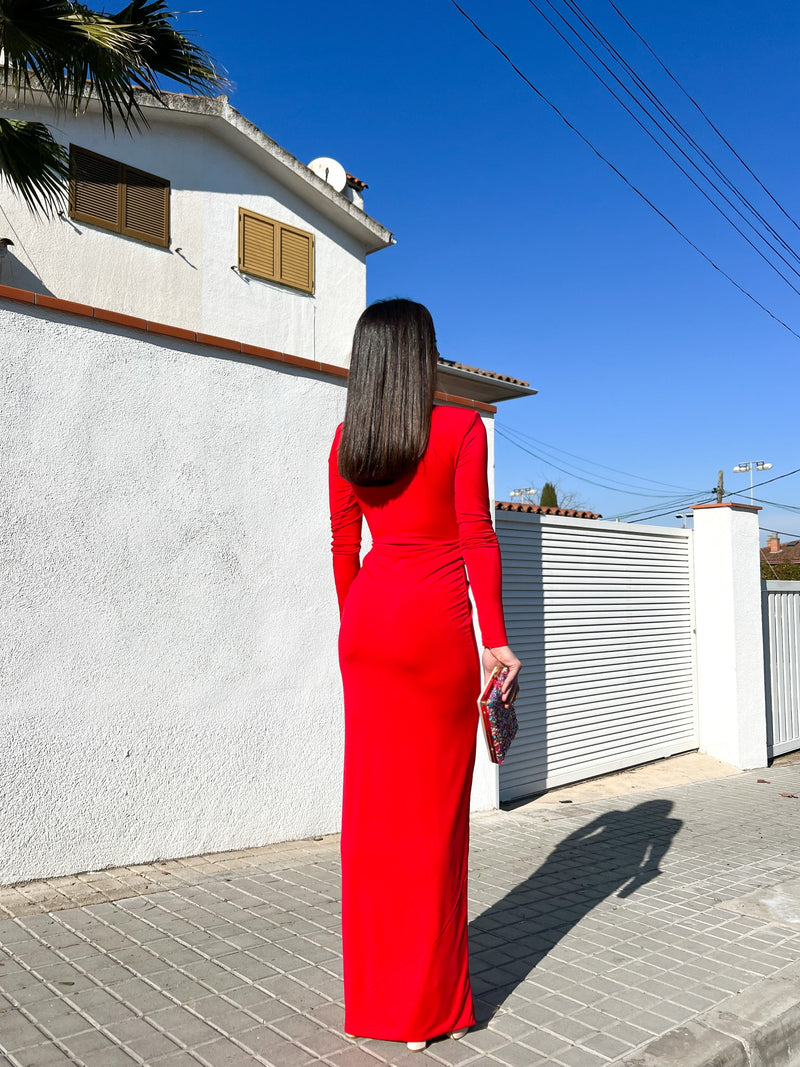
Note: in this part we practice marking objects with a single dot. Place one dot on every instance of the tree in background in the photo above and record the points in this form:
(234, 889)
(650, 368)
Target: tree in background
(73, 53)
(780, 572)
(548, 498)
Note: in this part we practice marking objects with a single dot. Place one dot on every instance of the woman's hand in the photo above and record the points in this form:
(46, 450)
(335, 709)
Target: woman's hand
(504, 656)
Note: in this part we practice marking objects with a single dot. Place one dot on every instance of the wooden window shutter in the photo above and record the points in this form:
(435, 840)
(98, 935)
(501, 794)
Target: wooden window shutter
(94, 189)
(276, 251)
(297, 258)
(145, 202)
(116, 197)
(257, 244)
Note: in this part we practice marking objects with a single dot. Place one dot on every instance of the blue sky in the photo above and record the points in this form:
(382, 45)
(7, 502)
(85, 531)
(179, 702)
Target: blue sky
(535, 259)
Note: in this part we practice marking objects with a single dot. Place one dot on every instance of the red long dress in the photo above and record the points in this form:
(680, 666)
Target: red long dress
(411, 678)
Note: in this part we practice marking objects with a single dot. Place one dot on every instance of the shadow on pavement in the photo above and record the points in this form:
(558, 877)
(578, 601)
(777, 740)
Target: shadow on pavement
(616, 853)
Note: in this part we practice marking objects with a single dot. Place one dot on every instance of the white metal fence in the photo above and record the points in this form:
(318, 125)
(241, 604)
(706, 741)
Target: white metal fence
(781, 603)
(601, 615)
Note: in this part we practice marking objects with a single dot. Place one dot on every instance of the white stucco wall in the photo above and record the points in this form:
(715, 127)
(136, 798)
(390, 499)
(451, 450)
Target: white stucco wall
(195, 287)
(169, 682)
(731, 699)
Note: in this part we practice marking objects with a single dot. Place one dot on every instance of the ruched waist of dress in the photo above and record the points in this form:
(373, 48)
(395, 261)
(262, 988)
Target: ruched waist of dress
(423, 546)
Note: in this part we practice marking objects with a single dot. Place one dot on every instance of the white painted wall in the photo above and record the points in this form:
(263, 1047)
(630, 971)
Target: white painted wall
(730, 658)
(170, 682)
(194, 288)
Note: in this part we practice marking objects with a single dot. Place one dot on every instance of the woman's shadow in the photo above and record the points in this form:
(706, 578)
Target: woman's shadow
(616, 853)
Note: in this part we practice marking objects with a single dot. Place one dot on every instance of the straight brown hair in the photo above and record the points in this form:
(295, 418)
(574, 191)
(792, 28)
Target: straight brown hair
(387, 420)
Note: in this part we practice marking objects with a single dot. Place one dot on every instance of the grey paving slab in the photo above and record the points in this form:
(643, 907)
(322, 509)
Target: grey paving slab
(600, 932)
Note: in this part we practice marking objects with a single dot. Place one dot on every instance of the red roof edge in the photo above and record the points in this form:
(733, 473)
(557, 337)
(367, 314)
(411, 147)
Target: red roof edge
(537, 509)
(87, 311)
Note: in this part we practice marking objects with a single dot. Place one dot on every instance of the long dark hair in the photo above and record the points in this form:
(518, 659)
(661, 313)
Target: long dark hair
(387, 419)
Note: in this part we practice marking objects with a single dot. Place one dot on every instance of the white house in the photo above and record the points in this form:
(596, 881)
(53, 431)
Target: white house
(174, 352)
(157, 225)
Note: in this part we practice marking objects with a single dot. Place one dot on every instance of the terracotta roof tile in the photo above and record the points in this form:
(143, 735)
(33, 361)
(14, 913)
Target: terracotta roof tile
(485, 373)
(356, 183)
(537, 509)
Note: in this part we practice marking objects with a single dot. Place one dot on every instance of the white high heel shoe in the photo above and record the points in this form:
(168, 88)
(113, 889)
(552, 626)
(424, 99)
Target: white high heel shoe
(458, 1034)
(416, 1046)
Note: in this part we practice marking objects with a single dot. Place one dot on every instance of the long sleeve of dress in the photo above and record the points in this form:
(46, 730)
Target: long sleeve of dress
(345, 527)
(479, 545)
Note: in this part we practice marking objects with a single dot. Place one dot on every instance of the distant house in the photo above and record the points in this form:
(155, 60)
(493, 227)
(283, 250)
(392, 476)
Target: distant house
(780, 561)
(777, 552)
(175, 346)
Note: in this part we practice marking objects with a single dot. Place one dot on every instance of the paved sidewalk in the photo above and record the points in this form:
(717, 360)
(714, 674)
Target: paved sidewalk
(580, 954)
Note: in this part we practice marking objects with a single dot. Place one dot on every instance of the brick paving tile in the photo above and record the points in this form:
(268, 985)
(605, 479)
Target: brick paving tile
(484, 1040)
(58, 1019)
(517, 1056)
(606, 1045)
(580, 1057)
(223, 1053)
(359, 1057)
(215, 952)
(571, 1029)
(18, 1032)
(544, 1043)
(453, 1053)
(182, 1026)
(174, 1059)
(39, 1056)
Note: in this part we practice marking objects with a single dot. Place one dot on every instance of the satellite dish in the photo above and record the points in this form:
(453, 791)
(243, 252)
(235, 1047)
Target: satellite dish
(330, 171)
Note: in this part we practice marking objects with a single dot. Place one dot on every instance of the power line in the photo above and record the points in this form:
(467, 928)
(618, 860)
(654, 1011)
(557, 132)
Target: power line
(642, 514)
(573, 6)
(692, 100)
(672, 141)
(770, 503)
(573, 473)
(732, 492)
(625, 490)
(595, 463)
(619, 173)
(738, 492)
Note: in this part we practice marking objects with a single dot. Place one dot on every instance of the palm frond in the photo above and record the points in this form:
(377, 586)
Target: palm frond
(73, 52)
(69, 51)
(34, 164)
(166, 52)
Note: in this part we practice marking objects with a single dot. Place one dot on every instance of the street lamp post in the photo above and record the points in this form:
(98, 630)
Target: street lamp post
(758, 465)
(524, 494)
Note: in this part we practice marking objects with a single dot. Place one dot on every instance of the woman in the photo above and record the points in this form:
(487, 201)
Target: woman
(409, 666)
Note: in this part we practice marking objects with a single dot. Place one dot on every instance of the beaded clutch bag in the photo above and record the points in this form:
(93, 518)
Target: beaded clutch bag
(499, 722)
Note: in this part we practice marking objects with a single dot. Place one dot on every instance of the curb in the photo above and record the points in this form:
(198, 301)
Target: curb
(759, 1027)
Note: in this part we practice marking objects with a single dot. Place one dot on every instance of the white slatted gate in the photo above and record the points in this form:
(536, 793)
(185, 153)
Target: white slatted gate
(601, 615)
(781, 602)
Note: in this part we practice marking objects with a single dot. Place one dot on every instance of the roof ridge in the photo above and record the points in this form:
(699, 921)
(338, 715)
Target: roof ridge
(478, 370)
(537, 509)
